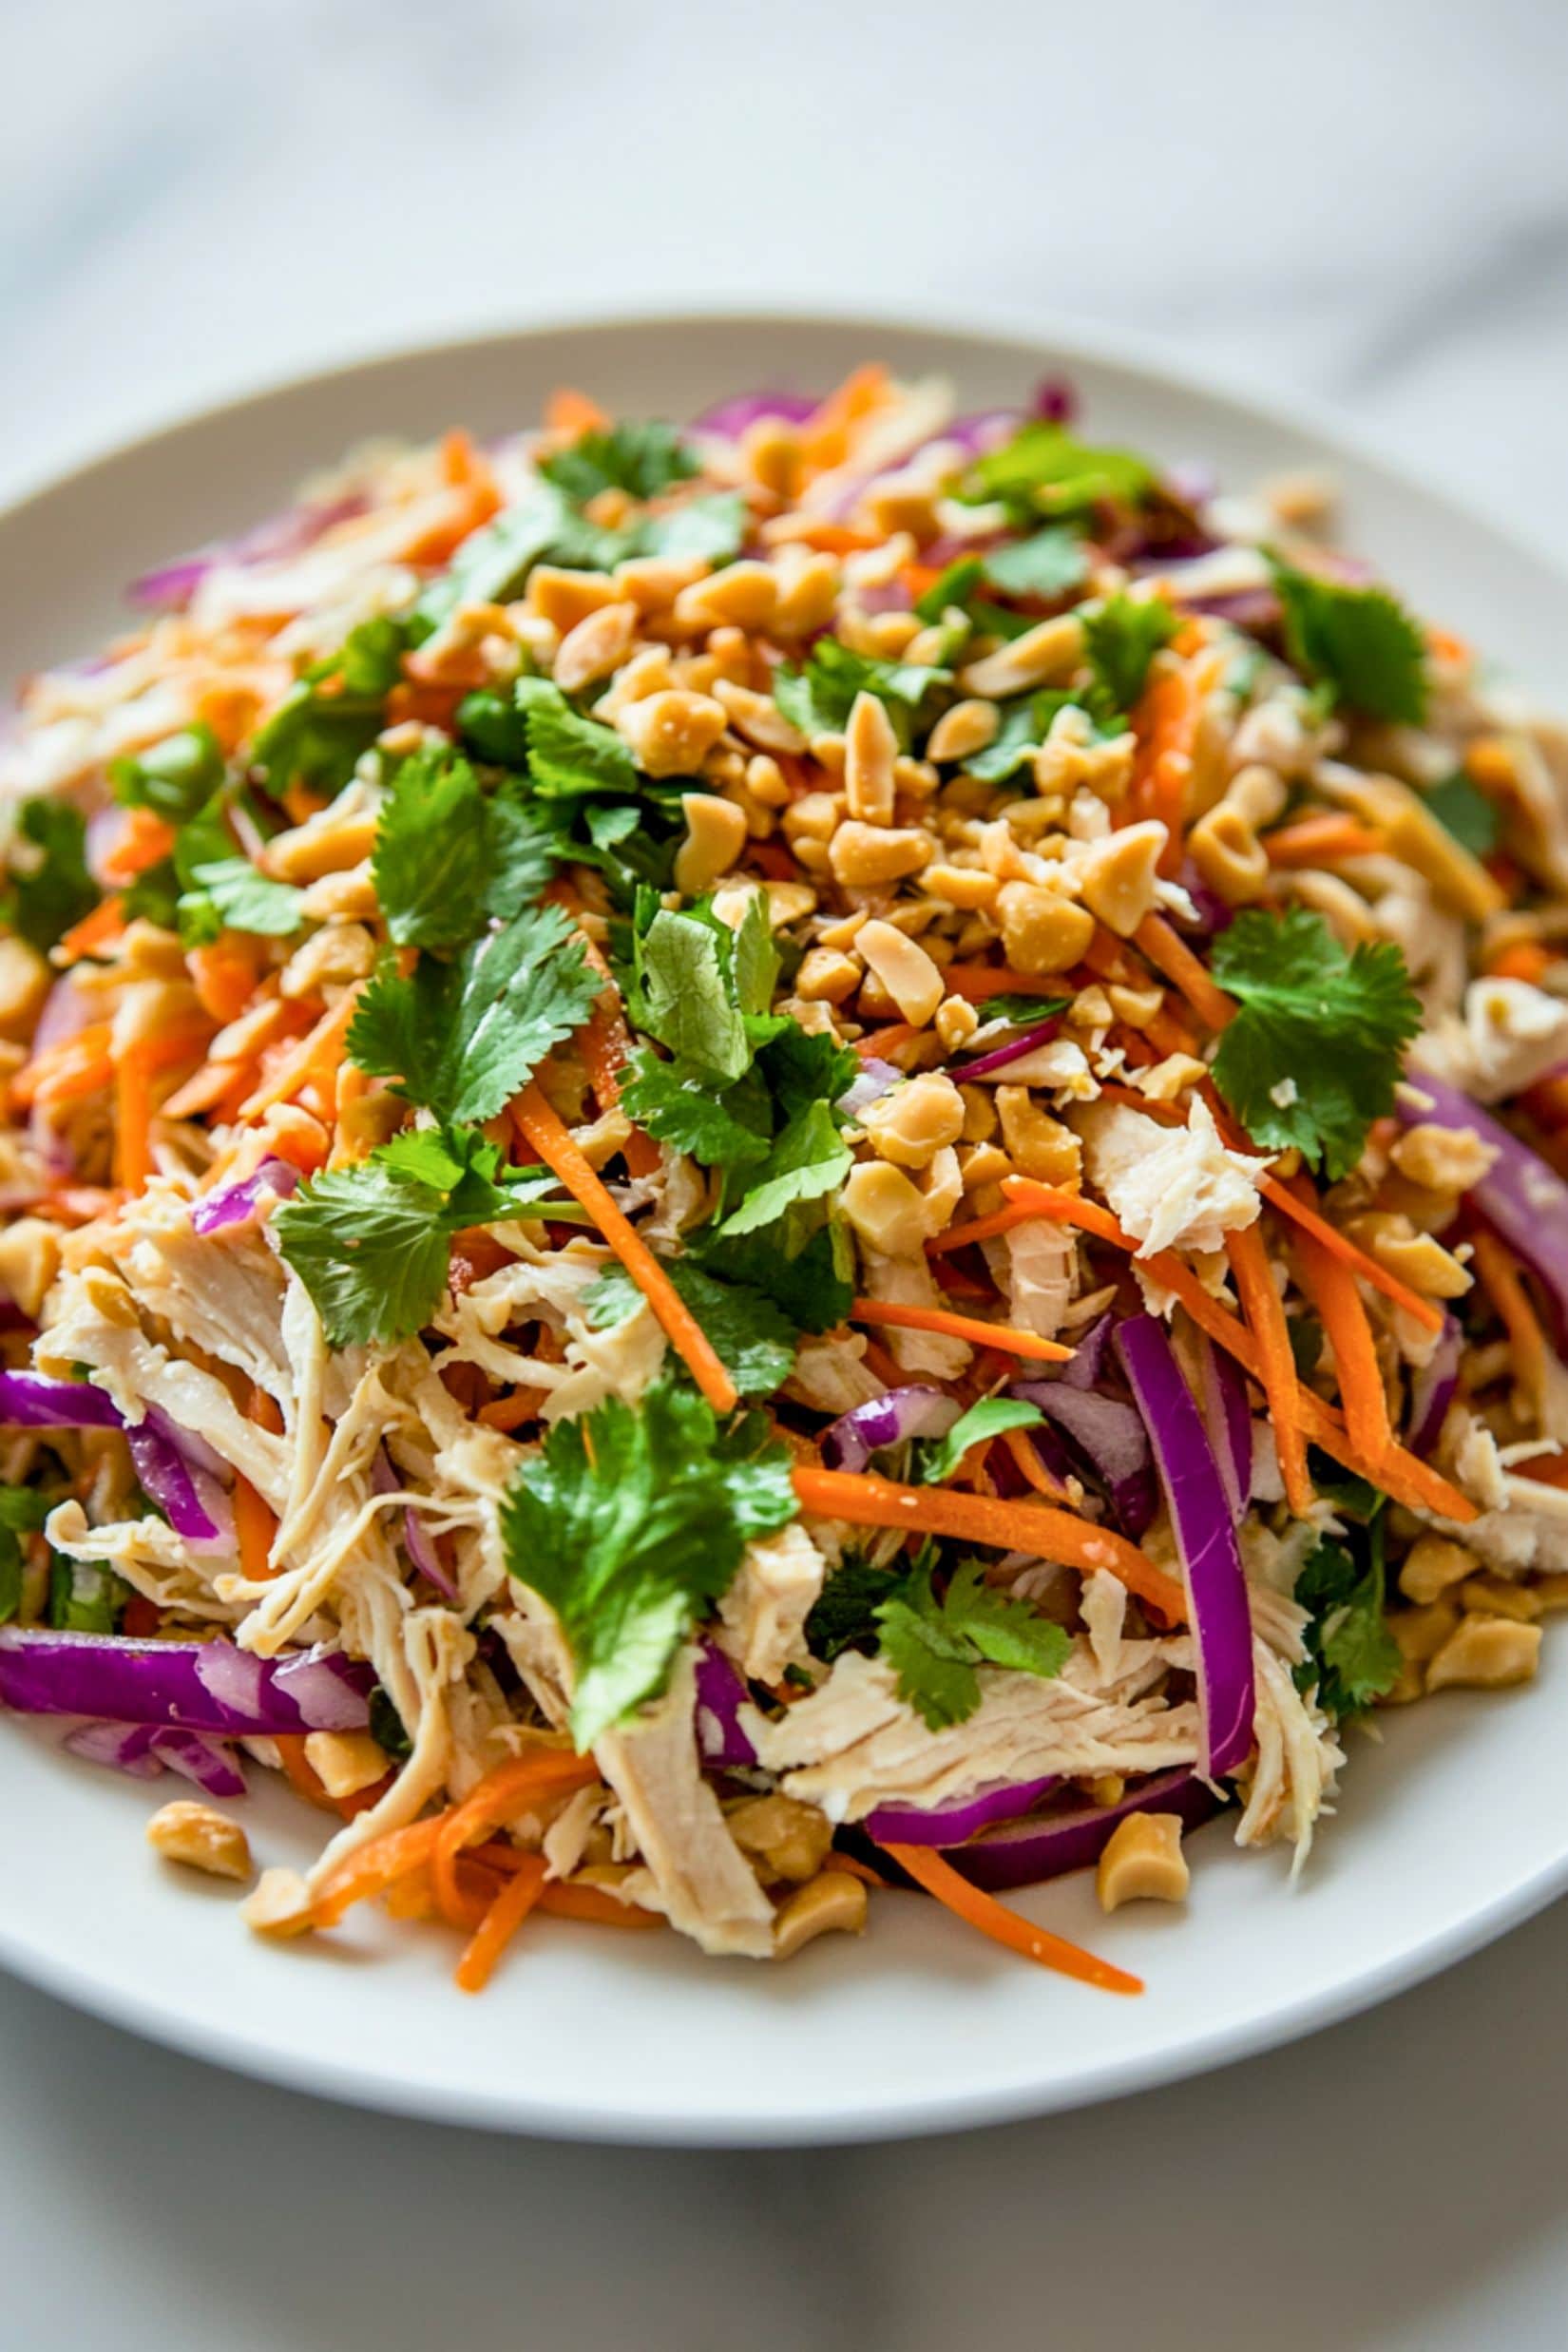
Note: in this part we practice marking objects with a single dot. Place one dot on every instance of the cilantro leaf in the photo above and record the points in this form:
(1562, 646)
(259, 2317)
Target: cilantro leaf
(1121, 639)
(987, 1419)
(1350, 1654)
(1323, 1029)
(713, 529)
(681, 1107)
(1025, 727)
(229, 894)
(685, 996)
(85, 1596)
(934, 1646)
(462, 1038)
(843, 1616)
(1474, 821)
(448, 857)
(1360, 641)
(568, 753)
(173, 778)
(49, 889)
(1045, 470)
(1048, 563)
(371, 1242)
(755, 1339)
(804, 1268)
(493, 566)
(631, 1523)
(22, 1511)
(819, 698)
(641, 459)
(324, 724)
(808, 1159)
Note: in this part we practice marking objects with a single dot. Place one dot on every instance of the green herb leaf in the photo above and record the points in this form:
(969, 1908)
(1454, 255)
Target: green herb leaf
(810, 1160)
(49, 888)
(85, 1597)
(1313, 1057)
(1051, 562)
(709, 530)
(23, 1510)
(1351, 1656)
(1359, 641)
(241, 899)
(805, 1268)
(631, 1523)
(1123, 637)
(686, 998)
(843, 1616)
(462, 1038)
(493, 566)
(1045, 470)
(448, 857)
(934, 1646)
(371, 1243)
(1474, 821)
(721, 1127)
(641, 460)
(819, 698)
(173, 778)
(321, 730)
(755, 1339)
(987, 1419)
(568, 753)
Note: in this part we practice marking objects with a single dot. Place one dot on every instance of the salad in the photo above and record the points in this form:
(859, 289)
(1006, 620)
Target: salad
(751, 1161)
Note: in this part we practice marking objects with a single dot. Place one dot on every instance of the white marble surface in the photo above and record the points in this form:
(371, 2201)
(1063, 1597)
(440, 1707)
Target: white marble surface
(1367, 200)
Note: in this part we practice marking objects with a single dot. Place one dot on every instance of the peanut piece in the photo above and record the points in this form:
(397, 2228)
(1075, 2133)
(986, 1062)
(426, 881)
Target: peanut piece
(1431, 1565)
(1229, 855)
(787, 1839)
(279, 1905)
(905, 969)
(672, 733)
(1040, 930)
(1486, 1653)
(912, 1122)
(833, 1902)
(886, 1208)
(597, 645)
(1116, 876)
(862, 856)
(963, 730)
(716, 833)
(1143, 1861)
(345, 1762)
(870, 748)
(202, 1839)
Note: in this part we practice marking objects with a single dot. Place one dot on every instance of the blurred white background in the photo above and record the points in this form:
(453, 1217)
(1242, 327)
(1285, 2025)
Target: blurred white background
(1367, 200)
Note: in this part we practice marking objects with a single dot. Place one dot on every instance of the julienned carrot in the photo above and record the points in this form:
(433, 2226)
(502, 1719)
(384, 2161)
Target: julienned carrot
(1501, 1277)
(520, 1781)
(1264, 1312)
(1331, 1287)
(100, 929)
(1321, 841)
(569, 411)
(224, 977)
(317, 1055)
(1029, 1466)
(144, 840)
(971, 1327)
(372, 1867)
(605, 1042)
(1300, 1213)
(254, 1527)
(564, 1898)
(547, 1136)
(1172, 957)
(1526, 960)
(78, 1065)
(878, 1044)
(1401, 1474)
(826, 434)
(137, 1065)
(1017, 1934)
(979, 981)
(501, 1921)
(866, 1501)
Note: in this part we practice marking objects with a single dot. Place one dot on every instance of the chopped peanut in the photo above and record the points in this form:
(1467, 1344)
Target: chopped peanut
(345, 1762)
(280, 1904)
(886, 1208)
(1043, 655)
(911, 1123)
(834, 1901)
(905, 969)
(716, 834)
(743, 593)
(785, 1839)
(1431, 1565)
(1486, 1653)
(671, 733)
(870, 748)
(202, 1839)
(1040, 1145)
(1116, 876)
(862, 856)
(1143, 1861)
(1229, 855)
(1041, 931)
(963, 730)
(597, 644)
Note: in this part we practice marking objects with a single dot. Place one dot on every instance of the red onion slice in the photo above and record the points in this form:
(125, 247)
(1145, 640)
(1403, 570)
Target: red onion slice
(915, 1411)
(1014, 1050)
(1434, 1388)
(1023, 1853)
(207, 1686)
(1110, 1436)
(205, 1761)
(950, 1824)
(1227, 1418)
(125, 1747)
(232, 1204)
(1523, 1200)
(721, 1693)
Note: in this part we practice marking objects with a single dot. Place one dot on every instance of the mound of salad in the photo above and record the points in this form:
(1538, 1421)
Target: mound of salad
(753, 1161)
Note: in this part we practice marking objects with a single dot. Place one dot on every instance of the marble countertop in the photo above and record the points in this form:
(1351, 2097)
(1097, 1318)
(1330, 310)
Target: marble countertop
(1367, 200)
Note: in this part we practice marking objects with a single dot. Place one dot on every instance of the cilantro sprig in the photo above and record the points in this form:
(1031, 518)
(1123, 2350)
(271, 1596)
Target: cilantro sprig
(818, 696)
(47, 887)
(631, 1523)
(935, 1646)
(1352, 1656)
(23, 1511)
(450, 857)
(753, 1336)
(327, 721)
(1045, 469)
(1359, 643)
(1314, 1052)
(372, 1242)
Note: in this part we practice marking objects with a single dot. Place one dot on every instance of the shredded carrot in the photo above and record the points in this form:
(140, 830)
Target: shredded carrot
(316, 1056)
(1526, 960)
(102, 929)
(224, 977)
(887, 1368)
(1175, 959)
(78, 1065)
(501, 1921)
(144, 840)
(881, 1045)
(1009, 1929)
(1165, 723)
(137, 1065)
(547, 1136)
(372, 1867)
(825, 437)
(854, 1869)
(1264, 1312)
(1499, 1275)
(512, 1785)
(1331, 1287)
(971, 1327)
(1028, 1465)
(301, 1774)
(866, 1501)
(511, 1411)
(827, 538)
(979, 981)
(567, 1900)
(254, 1527)
(1401, 1474)
(605, 1042)
(1321, 841)
(568, 411)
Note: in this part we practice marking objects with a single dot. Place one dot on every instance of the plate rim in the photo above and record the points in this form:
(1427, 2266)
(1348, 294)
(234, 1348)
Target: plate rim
(1061, 336)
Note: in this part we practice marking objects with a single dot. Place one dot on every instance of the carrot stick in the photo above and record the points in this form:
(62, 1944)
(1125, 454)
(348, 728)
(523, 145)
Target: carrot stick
(878, 1044)
(993, 1919)
(224, 977)
(1332, 1288)
(867, 1500)
(1526, 960)
(1028, 1465)
(979, 981)
(1406, 1479)
(317, 1055)
(568, 411)
(372, 1867)
(544, 1772)
(971, 1327)
(78, 1065)
(502, 1921)
(1175, 959)
(254, 1527)
(1321, 841)
(547, 1137)
(100, 929)
(825, 437)
(1264, 1312)
(144, 841)
(1501, 1277)
(567, 1900)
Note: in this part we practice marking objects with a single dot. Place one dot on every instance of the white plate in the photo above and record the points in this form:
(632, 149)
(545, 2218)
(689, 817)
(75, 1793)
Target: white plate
(1449, 1831)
